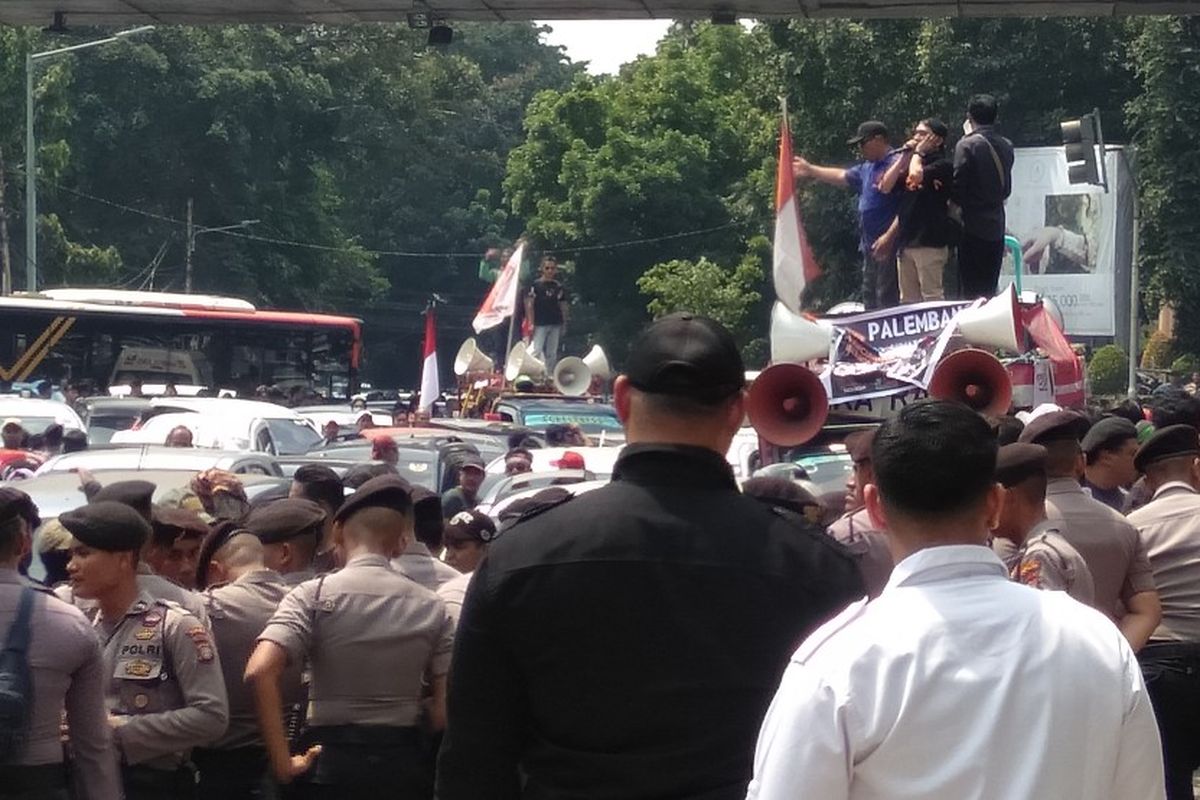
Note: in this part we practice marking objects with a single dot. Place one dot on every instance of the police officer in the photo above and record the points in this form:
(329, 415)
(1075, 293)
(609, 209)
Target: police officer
(371, 636)
(418, 561)
(1039, 556)
(1108, 543)
(67, 673)
(163, 686)
(242, 595)
(854, 530)
(1169, 526)
(1109, 447)
(322, 485)
(290, 530)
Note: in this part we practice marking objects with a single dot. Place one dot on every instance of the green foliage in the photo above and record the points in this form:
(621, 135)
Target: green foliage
(1108, 370)
(703, 287)
(1185, 365)
(1158, 352)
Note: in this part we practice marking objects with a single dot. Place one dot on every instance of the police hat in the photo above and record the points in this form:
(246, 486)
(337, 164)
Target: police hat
(858, 445)
(1054, 426)
(686, 355)
(285, 519)
(1108, 431)
(168, 524)
(220, 533)
(1171, 441)
(387, 491)
(15, 503)
(1016, 462)
(107, 525)
(135, 494)
(470, 526)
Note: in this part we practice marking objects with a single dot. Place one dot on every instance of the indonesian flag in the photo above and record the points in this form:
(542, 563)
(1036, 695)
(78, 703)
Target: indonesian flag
(430, 385)
(794, 262)
(502, 299)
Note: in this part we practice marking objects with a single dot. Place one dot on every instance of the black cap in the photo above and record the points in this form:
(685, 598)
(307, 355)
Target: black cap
(285, 519)
(388, 491)
(15, 503)
(1106, 432)
(470, 526)
(937, 127)
(858, 445)
(866, 130)
(1017, 462)
(219, 533)
(1054, 426)
(135, 494)
(107, 525)
(1171, 441)
(689, 355)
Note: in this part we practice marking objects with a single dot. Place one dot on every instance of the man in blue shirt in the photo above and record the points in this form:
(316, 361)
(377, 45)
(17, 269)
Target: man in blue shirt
(876, 209)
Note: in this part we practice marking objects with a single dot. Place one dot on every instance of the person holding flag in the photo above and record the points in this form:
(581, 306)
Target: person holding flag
(501, 302)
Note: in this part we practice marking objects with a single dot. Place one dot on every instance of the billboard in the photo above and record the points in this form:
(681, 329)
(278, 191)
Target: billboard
(1075, 239)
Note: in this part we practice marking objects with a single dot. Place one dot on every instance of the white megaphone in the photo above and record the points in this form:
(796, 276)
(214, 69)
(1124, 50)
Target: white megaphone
(796, 338)
(597, 361)
(522, 362)
(572, 376)
(995, 325)
(471, 360)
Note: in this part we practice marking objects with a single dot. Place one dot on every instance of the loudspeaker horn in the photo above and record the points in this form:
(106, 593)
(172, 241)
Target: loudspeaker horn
(471, 360)
(572, 376)
(787, 404)
(974, 377)
(522, 362)
(796, 338)
(597, 361)
(996, 324)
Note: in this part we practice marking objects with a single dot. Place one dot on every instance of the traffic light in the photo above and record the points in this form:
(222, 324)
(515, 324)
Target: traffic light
(1080, 137)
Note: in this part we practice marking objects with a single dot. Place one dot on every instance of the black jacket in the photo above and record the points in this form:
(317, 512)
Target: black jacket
(626, 644)
(979, 187)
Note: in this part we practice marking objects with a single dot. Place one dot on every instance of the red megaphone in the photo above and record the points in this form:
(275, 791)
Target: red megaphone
(974, 377)
(787, 404)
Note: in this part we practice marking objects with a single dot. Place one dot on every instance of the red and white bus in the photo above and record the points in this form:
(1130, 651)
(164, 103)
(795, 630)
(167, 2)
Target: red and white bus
(109, 337)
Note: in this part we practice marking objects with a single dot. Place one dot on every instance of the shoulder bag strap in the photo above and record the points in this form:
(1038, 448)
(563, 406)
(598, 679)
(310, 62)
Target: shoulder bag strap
(996, 161)
(18, 635)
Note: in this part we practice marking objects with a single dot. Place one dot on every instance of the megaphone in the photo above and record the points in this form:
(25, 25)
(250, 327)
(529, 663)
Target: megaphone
(572, 376)
(597, 361)
(996, 324)
(787, 404)
(974, 377)
(796, 338)
(522, 362)
(471, 360)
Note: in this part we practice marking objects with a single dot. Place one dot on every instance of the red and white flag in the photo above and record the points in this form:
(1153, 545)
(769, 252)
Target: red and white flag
(502, 299)
(430, 384)
(795, 266)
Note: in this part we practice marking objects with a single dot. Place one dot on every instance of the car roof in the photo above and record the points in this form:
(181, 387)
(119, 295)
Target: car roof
(99, 401)
(226, 407)
(599, 460)
(154, 457)
(38, 407)
(553, 401)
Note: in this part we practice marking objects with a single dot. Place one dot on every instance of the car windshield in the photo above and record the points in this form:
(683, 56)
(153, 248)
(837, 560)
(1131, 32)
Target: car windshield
(828, 471)
(34, 425)
(101, 427)
(419, 469)
(292, 436)
(589, 420)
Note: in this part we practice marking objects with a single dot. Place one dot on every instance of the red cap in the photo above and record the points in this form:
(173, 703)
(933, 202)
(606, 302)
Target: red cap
(570, 460)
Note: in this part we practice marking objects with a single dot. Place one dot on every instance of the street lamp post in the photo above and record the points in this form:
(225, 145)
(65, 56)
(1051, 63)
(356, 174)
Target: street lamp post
(31, 147)
(190, 247)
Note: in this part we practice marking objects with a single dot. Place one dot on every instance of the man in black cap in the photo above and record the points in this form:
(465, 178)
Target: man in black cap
(468, 534)
(1109, 447)
(372, 638)
(1037, 555)
(854, 529)
(66, 673)
(418, 561)
(876, 208)
(289, 530)
(465, 495)
(625, 643)
(164, 688)
(321, 485)
(1111, 547)
(983, 162)
(1169, 525)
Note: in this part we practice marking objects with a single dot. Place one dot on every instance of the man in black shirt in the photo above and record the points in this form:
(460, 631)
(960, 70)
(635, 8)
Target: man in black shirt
(546, 310)
(983, 161)
(625, 644)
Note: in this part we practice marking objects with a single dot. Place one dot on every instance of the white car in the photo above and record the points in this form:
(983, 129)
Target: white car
(597, 460)
(227, 424)
(343, 415)
(36, 414)
(158, 457)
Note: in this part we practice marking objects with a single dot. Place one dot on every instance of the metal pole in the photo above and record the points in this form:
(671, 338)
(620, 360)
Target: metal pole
(191, 246)
(1133, 288)
(30, 183)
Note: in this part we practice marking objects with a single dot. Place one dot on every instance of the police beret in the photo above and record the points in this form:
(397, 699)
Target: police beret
(426, 503)
(1015, 462)
(168, 524)
(1054, 426)
(529, 506)
(1106, 432)
(285, 519)
(387, 491)
(1172, 441)
(470, 526)
(858, 445)
(220, 533)
(107, 525)
(15, 503)
(135, 494)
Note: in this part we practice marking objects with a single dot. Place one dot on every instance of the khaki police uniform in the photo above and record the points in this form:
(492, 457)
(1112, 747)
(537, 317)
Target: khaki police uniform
(418, 564)
(164, 684)
(869, 547)
(67, 672)
(1048, 561)
(1107, 542)
(370, 636)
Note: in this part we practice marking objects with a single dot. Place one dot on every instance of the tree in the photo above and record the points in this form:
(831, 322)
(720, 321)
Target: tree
(703, 287)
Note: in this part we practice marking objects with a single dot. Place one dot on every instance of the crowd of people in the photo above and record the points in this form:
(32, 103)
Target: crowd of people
(983, 622)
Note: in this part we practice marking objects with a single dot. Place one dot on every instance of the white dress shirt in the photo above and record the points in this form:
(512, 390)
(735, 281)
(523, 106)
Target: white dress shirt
(958, 684)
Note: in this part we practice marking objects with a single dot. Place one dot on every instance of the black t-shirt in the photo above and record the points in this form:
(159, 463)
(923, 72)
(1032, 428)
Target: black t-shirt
(546, 296)
(923, 214)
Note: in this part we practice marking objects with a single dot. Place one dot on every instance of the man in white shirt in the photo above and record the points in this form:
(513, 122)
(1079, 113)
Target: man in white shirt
(955, 683)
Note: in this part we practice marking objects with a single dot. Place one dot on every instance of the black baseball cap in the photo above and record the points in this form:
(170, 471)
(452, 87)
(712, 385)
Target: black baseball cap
(868, 129)
(688, 355)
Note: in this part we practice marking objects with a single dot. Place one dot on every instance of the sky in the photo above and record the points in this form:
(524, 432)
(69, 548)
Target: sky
(607, 44)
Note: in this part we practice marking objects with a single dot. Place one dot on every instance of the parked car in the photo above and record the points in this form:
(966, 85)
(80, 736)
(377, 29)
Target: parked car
(227, 424)
(431, 462)
(598, 420)
(36, 414)
(159, 457)
(104, 416)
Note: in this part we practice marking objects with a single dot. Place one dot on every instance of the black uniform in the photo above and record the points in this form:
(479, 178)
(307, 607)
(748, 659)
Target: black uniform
(626, 644)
